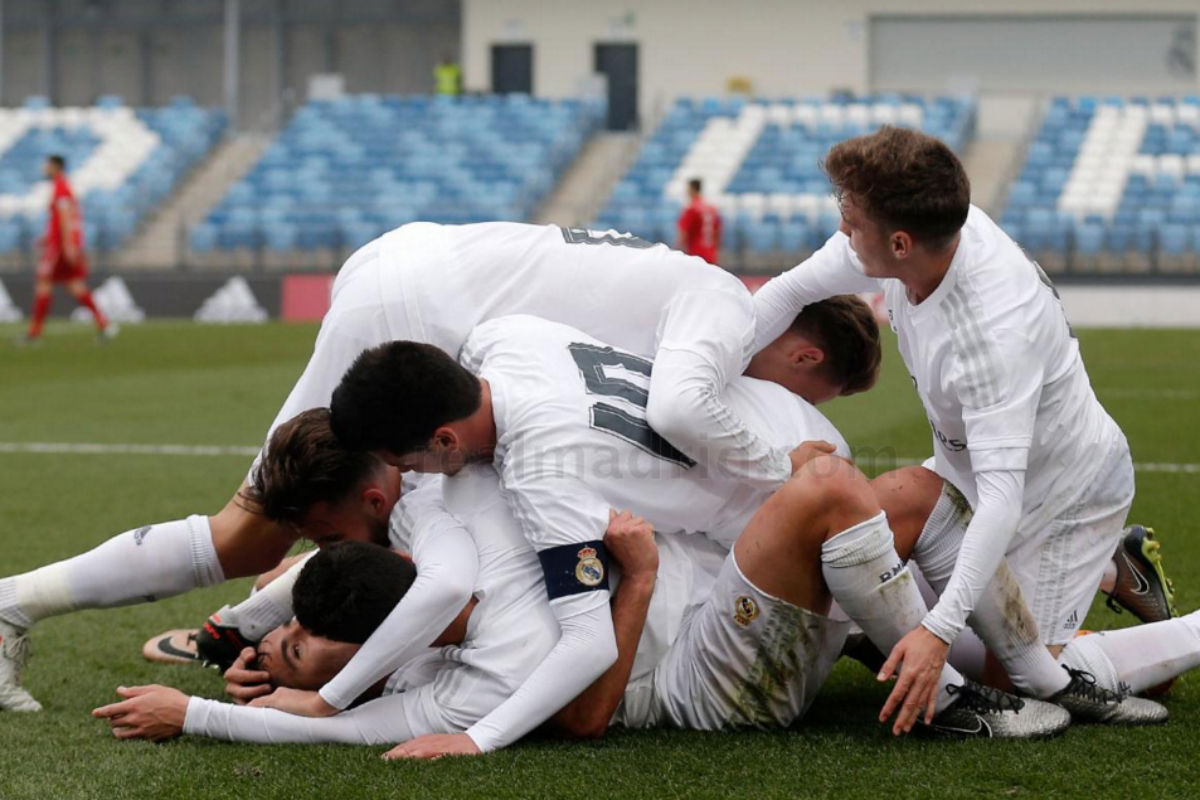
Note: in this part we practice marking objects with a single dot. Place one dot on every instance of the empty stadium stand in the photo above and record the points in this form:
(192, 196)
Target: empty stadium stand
(760, 163)
(1111, 184)
(122, 162)
(344, 171)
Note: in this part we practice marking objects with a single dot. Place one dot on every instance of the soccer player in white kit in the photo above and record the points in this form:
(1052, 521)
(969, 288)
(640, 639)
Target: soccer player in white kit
(495, 640)
(757, 620)
(1016, 427)
(561, 415)
(434, 283)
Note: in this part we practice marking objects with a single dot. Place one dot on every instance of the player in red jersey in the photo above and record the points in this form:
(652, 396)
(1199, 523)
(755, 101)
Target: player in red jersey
(699, 226)
(62, 259)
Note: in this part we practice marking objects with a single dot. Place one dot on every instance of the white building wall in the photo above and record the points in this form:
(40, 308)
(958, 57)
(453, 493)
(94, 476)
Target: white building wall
(693, 47)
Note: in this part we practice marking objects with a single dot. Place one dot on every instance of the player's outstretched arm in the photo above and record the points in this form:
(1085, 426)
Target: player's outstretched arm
(830, 271)
(985, 542)
(447, 565)
(585, 650)
(159, 712)
(705, 340)
(630, 542)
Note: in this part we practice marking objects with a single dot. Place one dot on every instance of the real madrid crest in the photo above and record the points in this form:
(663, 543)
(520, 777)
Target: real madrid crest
(745, 610)
(590, 570)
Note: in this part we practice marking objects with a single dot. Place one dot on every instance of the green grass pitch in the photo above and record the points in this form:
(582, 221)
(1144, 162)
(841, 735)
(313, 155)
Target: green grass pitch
(185, 384)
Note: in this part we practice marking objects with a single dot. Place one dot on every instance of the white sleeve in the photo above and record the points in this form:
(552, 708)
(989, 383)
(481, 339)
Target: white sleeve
(998, 380)
(983, 548)
(832, 270)
(587, 648)
(383, 721)
(705, 340)
(447, 565)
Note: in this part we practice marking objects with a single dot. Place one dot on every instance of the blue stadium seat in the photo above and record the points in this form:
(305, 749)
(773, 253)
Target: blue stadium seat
(353, 167)
(777, 157)
(1139, 207)
(117, 187)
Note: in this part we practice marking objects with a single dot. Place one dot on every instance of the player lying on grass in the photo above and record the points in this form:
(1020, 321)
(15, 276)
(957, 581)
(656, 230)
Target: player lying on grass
(433, 284)
(1017, 429)
(565, 455)
(305, 441)
(753, 651)
(558, 414)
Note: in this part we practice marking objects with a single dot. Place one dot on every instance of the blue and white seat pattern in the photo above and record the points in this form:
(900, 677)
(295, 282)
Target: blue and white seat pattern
(122, 162)
(1111, 184)
(344, 171)
(760, 163)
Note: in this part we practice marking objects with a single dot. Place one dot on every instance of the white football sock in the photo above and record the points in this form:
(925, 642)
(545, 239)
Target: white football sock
(871, 584)
(270, 606)
(1108, 581)
(1001, 617)
(968, 655)
(138, 566)
(1139, 657)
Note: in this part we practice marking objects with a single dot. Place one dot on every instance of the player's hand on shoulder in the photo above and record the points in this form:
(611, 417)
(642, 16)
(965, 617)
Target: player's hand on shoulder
(434, 746)
(243, 682)
(807, 451)
(147, 712)
(296, 701)
(630, 542)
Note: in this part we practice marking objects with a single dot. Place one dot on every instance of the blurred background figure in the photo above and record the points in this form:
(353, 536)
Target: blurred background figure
(699, 226)
(447, 77)
(62, 259)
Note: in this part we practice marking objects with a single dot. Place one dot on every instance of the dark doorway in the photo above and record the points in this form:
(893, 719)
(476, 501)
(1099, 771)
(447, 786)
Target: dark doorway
(619, 62)
(512, 68)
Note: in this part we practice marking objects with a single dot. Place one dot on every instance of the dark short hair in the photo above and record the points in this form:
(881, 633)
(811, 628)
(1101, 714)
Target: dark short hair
(57, 160)
(346, 590)
(695, 185)
(904, 180)
(396, 395)
(844, 327)
(305, 464)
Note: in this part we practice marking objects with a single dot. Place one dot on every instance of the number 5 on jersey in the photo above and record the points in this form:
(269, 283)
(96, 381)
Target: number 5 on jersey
(593, 362)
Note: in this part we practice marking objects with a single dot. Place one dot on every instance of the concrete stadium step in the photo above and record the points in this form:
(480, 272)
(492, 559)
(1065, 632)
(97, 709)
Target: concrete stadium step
(1006, 123)
(160, 242)
(590, 179)
(989, 164)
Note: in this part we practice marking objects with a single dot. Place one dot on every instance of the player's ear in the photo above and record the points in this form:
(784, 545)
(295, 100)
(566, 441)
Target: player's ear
(444, 438)
(377, 501)
(804, 354)
(810, 357)
(901, 243)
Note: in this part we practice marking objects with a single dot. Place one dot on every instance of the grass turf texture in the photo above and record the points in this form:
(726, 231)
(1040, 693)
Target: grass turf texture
(186, 384)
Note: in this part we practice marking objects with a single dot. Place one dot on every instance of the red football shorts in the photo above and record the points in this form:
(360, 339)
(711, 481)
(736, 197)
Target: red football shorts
(54, 266)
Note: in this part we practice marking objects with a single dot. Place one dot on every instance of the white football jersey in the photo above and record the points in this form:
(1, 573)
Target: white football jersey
(510, 630)
(993, 359)
(440, 690)
(434, 283)
(440, 281)
(573, 442)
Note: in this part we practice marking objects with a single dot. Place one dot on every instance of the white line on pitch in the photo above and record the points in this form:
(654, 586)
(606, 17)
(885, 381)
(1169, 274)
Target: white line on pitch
(865, 459)
(96, 449)
(1150, 394)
